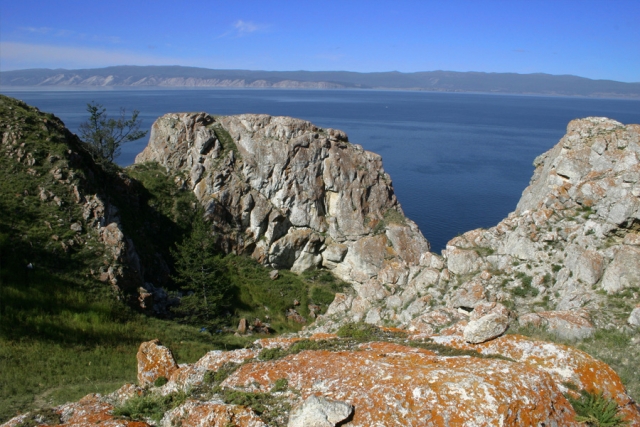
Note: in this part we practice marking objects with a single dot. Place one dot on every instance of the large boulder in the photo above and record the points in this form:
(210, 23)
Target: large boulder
(154, 361)
(487, 321)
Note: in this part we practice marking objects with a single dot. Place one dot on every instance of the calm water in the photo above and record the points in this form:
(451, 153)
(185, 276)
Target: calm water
(458, 161)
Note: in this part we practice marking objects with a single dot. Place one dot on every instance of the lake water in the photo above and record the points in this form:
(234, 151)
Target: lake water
(458, 161)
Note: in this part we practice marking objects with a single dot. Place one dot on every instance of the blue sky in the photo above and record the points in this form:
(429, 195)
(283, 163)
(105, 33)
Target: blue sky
(595, 39)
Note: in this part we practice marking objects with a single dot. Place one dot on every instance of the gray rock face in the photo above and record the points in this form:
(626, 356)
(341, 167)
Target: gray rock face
(574, 231)
(568, 325)
(634, 317)
(487, 321)
(318, 411)
(293, 195)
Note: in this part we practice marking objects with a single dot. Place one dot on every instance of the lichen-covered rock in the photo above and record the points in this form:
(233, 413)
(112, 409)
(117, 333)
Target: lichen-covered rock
(508, 381)
(569, 325)
(189, 376)
(154, 361)
(389, 384)
(317, 411)
(89, 411)
(205, 414)
(565, 364)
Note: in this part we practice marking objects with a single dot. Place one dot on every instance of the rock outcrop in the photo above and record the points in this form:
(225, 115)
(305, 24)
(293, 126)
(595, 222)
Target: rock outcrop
(294, 195)
(572, 242)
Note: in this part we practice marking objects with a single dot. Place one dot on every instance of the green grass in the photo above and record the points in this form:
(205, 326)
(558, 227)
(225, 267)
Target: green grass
(596, 410)
(149, 406)
(391, 216)
(255, 295)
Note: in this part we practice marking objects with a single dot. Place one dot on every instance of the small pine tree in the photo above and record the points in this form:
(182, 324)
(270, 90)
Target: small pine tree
(104, 135)
(201, 271)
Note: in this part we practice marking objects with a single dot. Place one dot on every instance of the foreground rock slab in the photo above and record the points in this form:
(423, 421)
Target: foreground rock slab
(390, 384)
(508, 381)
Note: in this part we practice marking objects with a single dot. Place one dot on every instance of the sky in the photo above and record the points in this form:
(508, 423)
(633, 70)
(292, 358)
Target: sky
(594, 39)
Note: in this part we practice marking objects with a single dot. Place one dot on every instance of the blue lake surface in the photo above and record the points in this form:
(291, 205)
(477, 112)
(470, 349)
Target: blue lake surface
(457, 161)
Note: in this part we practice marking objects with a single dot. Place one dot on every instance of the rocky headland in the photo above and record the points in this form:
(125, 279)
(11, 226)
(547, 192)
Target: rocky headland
(418, 338)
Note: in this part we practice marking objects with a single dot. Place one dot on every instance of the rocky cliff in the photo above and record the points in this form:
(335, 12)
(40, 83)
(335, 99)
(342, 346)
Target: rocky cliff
(572, 243)
(296, 196)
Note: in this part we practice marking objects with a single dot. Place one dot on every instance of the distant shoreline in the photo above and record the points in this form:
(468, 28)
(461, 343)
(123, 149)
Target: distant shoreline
(9, 89)
(192, 78)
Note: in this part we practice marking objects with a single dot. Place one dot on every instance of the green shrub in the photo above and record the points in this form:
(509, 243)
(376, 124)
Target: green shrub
(595, 410)
(216, 377)
(281, 384)
(160, 381)
(271, 353)
(363, 332)
(391, 216)
(149, 406)
(271, 409)
(526, 288)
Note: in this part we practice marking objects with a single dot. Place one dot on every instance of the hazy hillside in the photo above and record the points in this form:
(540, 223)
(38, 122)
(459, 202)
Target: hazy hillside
(441, 81)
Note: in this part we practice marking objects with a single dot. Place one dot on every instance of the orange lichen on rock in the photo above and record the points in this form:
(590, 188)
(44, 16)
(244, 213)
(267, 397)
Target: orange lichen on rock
(390, 384)
(565, 364)
(286, 342)
(154, 361)
(191, 375)
(201, 414)
(92, 410)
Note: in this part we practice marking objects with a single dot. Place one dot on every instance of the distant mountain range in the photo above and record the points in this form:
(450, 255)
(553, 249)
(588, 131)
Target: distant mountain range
(436, 81)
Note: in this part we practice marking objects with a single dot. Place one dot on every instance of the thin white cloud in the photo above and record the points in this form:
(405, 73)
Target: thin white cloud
(243, 28)
(15, 56)
(64, 33)
(37, 30)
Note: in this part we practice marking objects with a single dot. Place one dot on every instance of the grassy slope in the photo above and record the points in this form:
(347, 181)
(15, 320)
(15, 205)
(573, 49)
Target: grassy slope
(63, 333)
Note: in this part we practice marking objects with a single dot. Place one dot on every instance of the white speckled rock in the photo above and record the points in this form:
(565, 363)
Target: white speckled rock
(634, 317)
(486, 328)
(317, 411)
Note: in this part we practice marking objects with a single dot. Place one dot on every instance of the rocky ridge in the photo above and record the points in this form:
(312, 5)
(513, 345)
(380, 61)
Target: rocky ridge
(293, 195)
(70, 208)
(60, 177)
